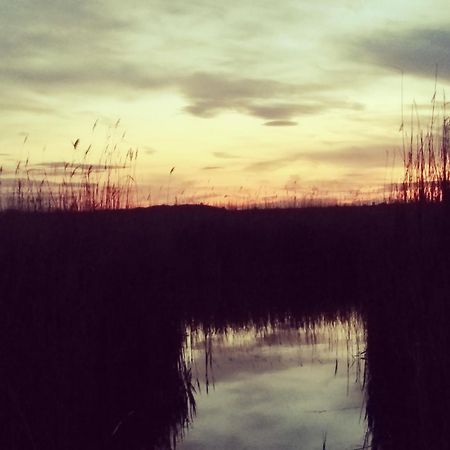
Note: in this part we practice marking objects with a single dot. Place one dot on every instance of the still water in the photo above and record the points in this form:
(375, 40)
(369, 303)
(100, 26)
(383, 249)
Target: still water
(279, 386)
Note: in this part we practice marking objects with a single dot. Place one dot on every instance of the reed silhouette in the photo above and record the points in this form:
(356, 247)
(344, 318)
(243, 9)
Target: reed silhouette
(95, 305)
(425, 156)
(90, 178)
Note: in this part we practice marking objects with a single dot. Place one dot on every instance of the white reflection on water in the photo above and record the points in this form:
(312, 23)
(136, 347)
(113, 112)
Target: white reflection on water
(279, 387)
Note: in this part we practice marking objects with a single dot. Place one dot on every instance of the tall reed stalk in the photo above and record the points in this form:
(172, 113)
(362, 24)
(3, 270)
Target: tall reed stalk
(88, 182)
(425, 159)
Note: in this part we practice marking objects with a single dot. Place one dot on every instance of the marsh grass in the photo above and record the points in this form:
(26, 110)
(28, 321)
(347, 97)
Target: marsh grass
(425, 154)
(90, 179)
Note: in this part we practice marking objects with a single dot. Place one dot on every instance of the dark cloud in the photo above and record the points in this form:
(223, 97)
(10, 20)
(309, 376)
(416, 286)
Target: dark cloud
(285, 110)
(212, 167)
(281, 123)
(414, 51)
(207, 85)
(210, 94)
(279, 112)
(99, 77)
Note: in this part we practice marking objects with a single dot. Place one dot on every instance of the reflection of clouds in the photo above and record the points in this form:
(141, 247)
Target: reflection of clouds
(277, 410)
(241, 354)
(265, 398)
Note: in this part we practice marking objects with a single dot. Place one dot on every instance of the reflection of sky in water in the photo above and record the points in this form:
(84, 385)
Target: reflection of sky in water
(279, 388)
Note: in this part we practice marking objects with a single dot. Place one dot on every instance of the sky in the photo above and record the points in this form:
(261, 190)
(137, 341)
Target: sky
(246, 99)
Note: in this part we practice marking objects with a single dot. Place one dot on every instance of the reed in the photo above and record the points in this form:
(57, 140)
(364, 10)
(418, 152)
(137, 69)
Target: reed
(92, 179)
(425, 158)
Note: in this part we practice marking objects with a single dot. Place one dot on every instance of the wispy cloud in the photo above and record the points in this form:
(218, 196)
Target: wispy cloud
(59, 168)
(149, 150)
(274, 163)
(354, 156)
(225, 155)
(281, 123)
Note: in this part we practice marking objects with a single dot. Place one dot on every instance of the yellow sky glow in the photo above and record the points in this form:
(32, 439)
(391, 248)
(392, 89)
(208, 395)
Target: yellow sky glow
(247, 100)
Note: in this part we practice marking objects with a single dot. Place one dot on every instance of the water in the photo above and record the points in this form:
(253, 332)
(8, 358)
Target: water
(281, 386)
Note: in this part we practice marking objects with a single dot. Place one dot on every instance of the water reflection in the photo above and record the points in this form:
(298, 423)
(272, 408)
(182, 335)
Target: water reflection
(281, 385)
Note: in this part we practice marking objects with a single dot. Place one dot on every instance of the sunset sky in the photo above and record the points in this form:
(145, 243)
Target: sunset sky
(245, 98)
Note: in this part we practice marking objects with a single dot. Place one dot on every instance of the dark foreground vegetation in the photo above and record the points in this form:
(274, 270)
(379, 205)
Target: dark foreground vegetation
(94, 307)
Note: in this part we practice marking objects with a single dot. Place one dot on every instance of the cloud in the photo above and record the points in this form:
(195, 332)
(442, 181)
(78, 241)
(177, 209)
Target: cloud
(273, 164)
(83, 49)
(54, 48)
(202, 85)
(282, 111)
(80, 50)
(280, 123)
(23, 103)
(60, 168)
(38, 28)
(212, 167)
(225, 155)
(209, 94)
(206, 94)
(369, 156)
(219, 58)
(414, 51)
(148, 150)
